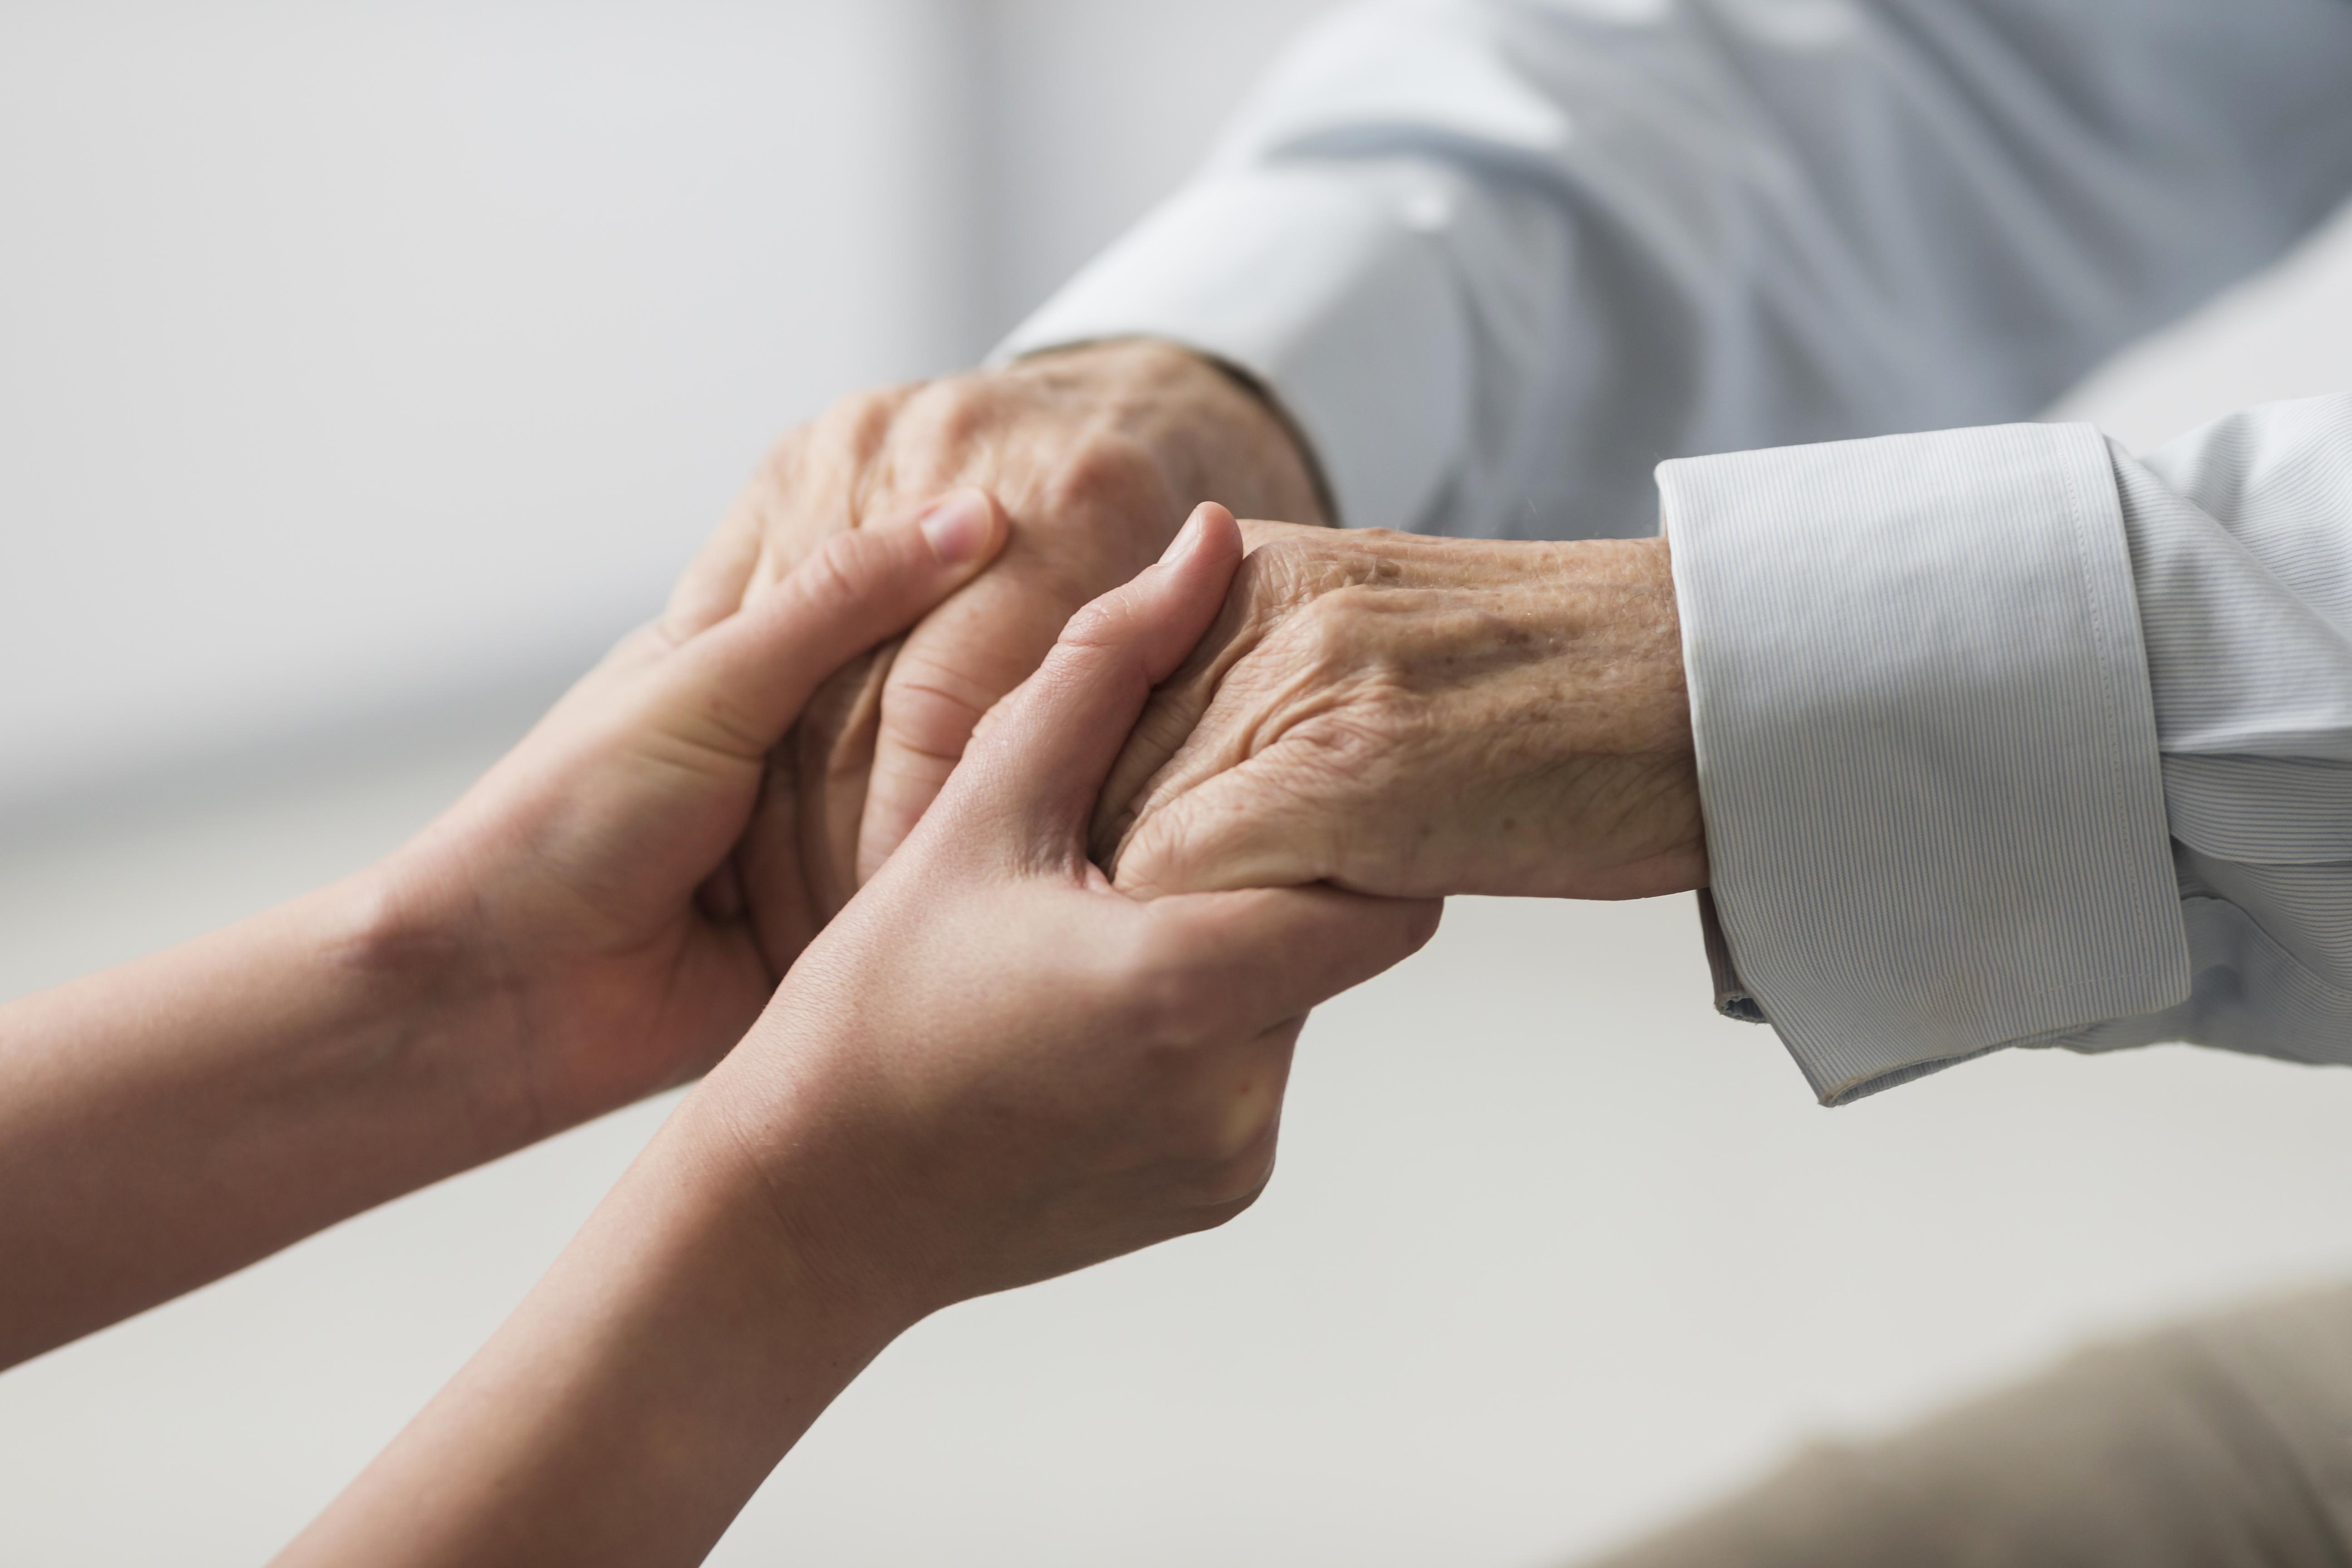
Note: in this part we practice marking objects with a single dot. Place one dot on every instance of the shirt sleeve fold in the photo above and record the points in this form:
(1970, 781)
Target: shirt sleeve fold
(1927, 745)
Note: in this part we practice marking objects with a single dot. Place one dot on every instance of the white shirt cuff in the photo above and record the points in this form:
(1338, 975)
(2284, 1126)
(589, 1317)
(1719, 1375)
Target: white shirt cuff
(1330, 290)
(1927, 751)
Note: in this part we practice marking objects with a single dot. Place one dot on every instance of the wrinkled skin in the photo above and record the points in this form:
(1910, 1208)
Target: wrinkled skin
(1421, 717)
(1096, 455)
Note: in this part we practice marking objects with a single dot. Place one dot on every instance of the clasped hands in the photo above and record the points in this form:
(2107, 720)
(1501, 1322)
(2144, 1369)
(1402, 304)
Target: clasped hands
(992, 936)
(1392, 714)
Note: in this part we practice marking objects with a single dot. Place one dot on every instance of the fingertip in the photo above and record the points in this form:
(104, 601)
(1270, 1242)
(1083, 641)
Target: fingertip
(1069, 721)
(860, 587)
(911, 561)
(1209, 534)
(965, 527)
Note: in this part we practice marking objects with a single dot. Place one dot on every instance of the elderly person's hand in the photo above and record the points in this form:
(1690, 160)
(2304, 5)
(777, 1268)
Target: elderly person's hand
(1420, 717)
(1096, 453)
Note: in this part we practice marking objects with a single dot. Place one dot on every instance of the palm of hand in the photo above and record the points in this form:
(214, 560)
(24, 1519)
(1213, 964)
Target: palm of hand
(597, 895)
(621, 967)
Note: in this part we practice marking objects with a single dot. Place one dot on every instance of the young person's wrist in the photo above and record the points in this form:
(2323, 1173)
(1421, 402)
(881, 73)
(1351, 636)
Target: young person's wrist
(796, 1174)
(639, 1396)
(409, 937)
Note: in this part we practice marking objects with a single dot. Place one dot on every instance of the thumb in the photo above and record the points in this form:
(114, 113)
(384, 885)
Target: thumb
(1045, 750)
(738, 687)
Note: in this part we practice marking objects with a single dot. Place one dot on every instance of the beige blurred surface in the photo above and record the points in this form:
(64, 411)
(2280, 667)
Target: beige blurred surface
(1552, 1252)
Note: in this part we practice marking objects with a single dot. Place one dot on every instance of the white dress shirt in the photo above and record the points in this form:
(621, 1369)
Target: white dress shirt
(2005, 737)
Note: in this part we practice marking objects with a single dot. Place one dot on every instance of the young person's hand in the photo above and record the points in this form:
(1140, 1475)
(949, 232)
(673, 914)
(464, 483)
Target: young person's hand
(622, 890)
(1026, 1070)
(593, 921)
(992, 1068)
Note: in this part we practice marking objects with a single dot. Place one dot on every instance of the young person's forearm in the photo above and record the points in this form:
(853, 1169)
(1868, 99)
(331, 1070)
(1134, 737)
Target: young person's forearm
(556, 945)
(637, 1399)
(172, 1120)
(991, 1069)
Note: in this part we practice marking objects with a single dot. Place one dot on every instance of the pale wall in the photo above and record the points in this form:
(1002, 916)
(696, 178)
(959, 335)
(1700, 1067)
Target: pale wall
(361, 357)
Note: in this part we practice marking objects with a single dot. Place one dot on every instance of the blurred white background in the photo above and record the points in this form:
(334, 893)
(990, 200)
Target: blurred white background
(364, 369)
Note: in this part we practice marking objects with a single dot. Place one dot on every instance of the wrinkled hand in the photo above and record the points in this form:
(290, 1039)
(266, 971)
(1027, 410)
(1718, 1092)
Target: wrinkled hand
(1419, 717)
(1096, 455)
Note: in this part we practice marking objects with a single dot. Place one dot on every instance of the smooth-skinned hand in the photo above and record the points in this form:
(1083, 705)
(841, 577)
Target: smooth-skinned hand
(1421, 717)
(1028, 1069)
(597, 892)
(992, 1068)
(1095, 454)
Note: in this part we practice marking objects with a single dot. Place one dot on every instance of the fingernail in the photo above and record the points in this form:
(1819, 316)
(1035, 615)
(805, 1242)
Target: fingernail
(958, 525)
(1186, 537)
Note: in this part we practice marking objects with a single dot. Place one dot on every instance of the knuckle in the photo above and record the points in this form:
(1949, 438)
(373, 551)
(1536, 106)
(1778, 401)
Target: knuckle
(955, 413)
(1276, 577)
(933, 710)
(780, 465)
(839, 575)
(1109, 472)
(1353, 751)
(1301, 565)
(861, 422)
(805, 484)
(1098, 645)
(1336, 629)
(1101, 624)
(846, 437)
(1172, 846)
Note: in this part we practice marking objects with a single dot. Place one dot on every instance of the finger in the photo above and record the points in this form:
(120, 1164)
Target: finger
(1287, 568)
(1272, 954)
(833, 745)
(1044, 754)
(1239, 828)
(738, 687)
(1197, 725)
(952, 669)
(1173, 715)
(777, 900)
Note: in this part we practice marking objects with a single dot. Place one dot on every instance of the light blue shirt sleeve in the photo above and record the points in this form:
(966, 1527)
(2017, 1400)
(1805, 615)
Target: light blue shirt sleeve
(2006, 737)
(1499, 258)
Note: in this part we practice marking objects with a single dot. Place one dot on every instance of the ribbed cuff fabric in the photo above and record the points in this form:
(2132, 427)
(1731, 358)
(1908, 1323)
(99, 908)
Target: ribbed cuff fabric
(1323, 286)
(1928, 751)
